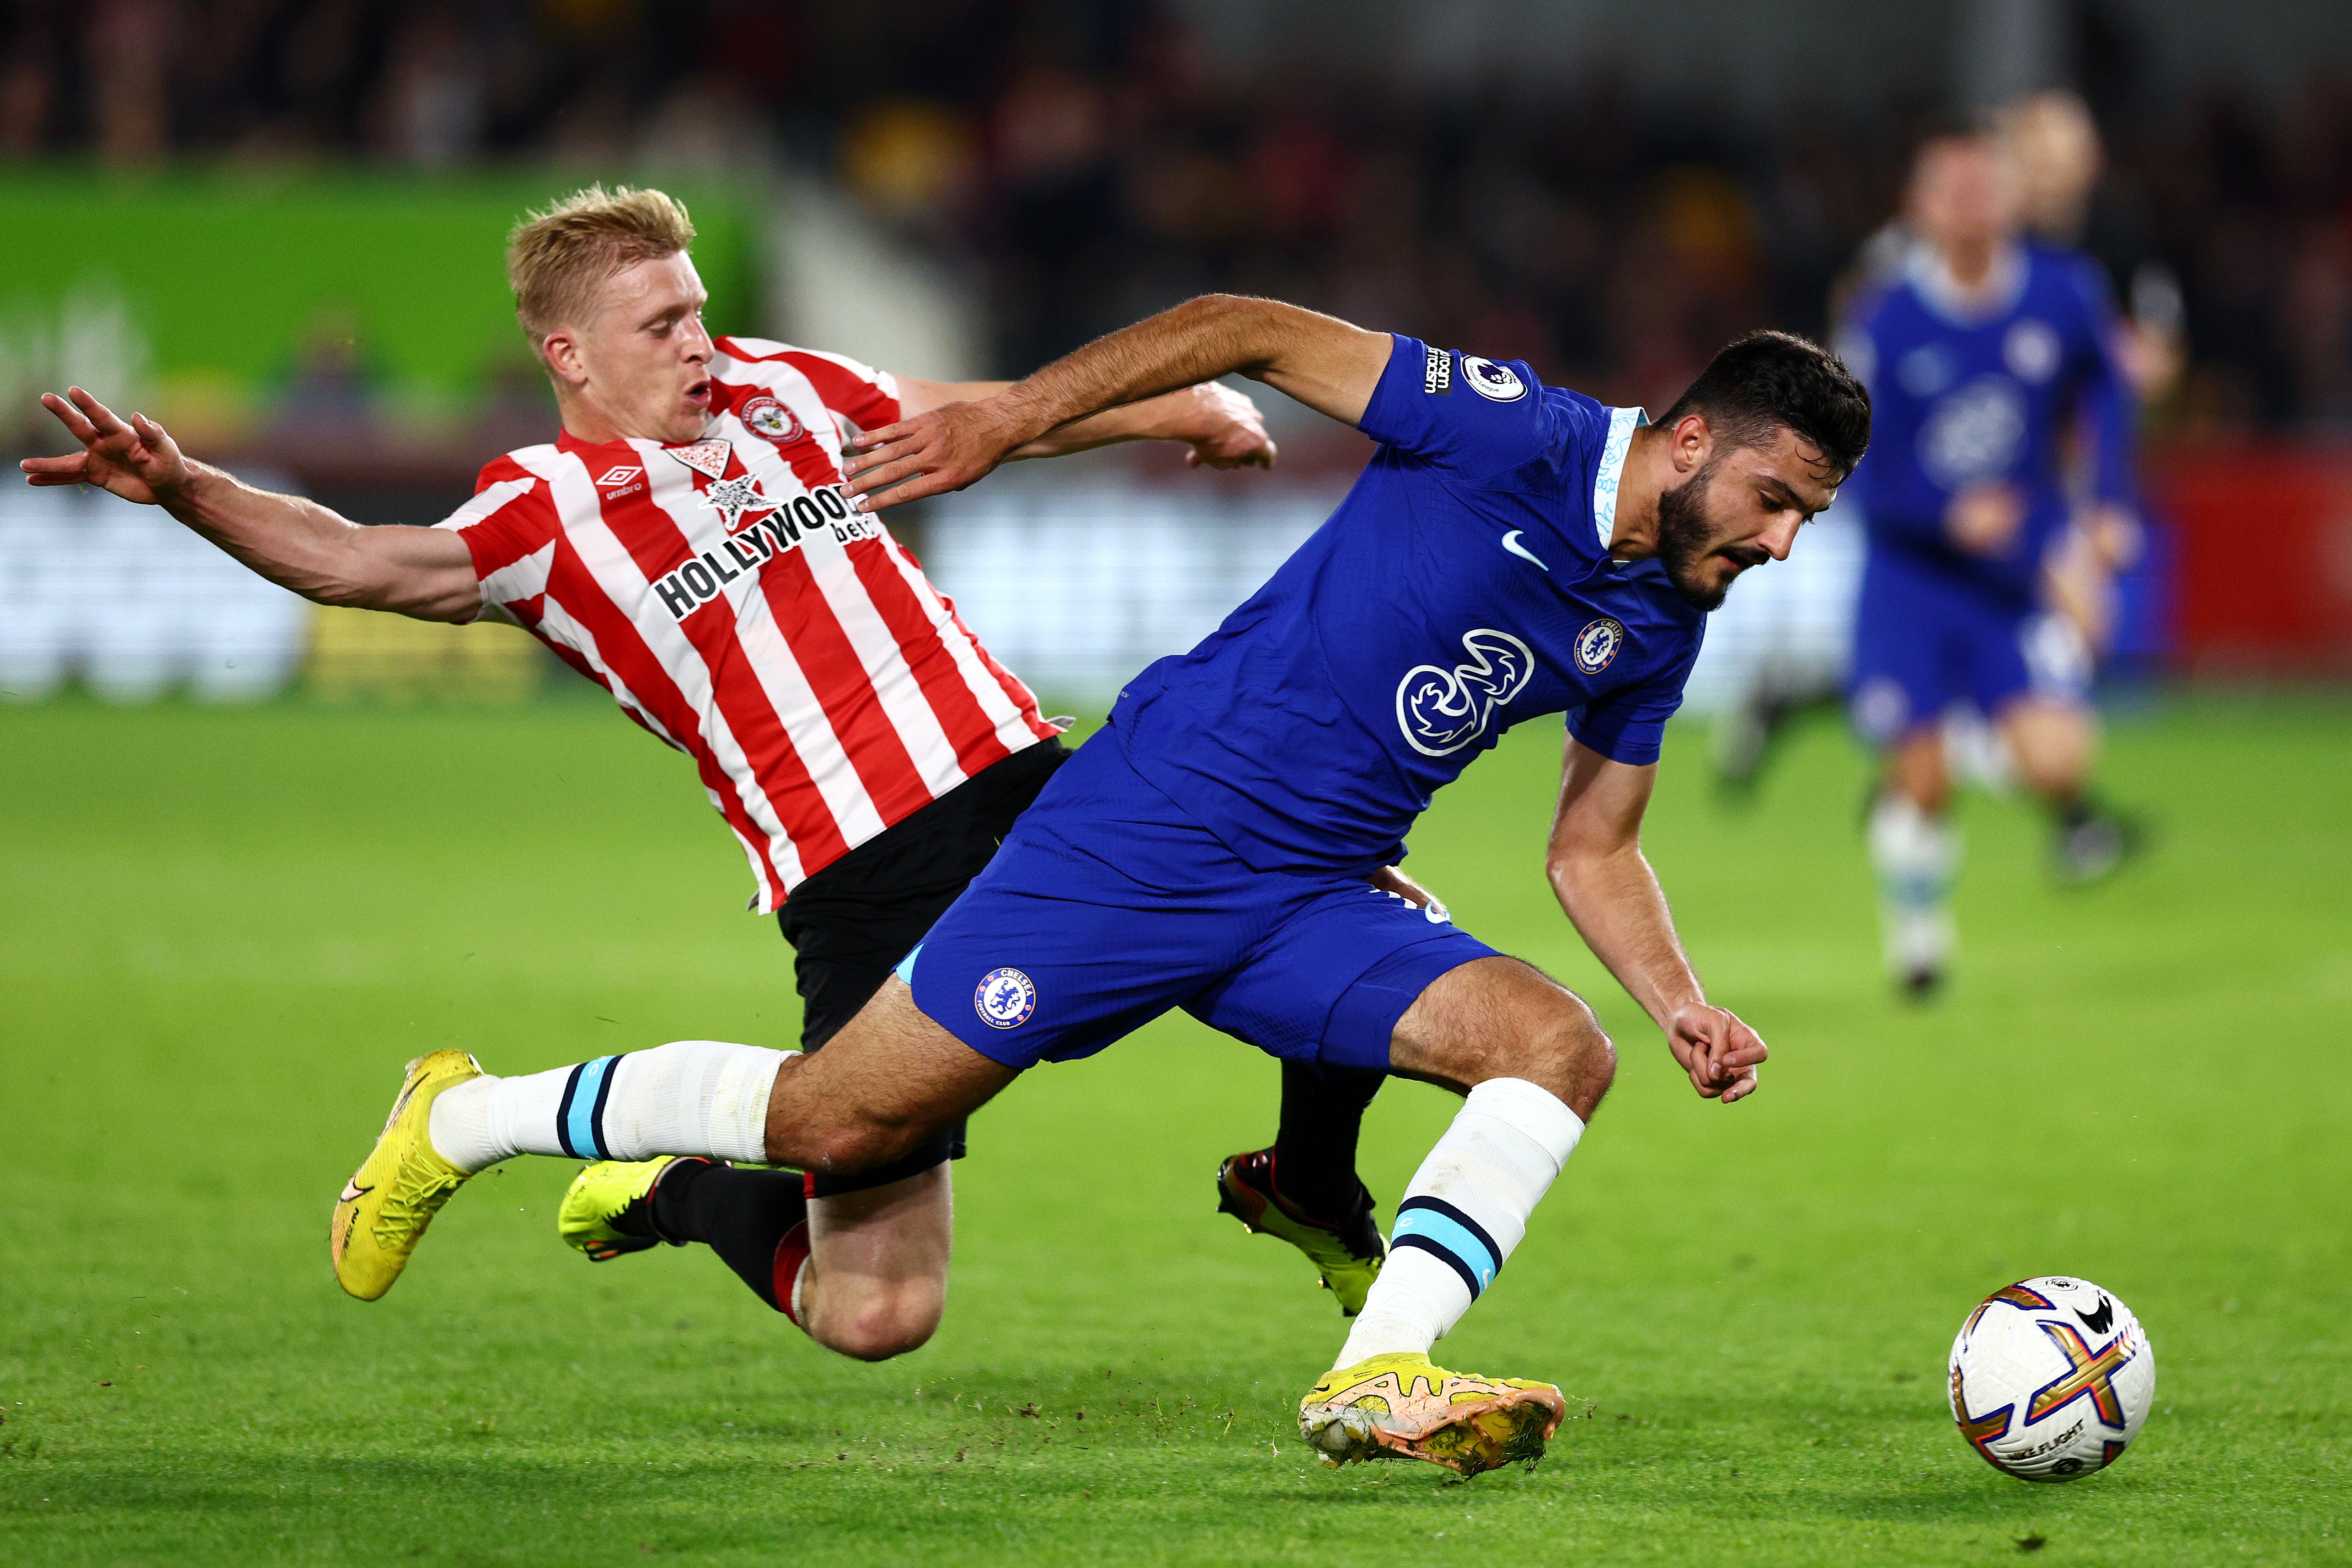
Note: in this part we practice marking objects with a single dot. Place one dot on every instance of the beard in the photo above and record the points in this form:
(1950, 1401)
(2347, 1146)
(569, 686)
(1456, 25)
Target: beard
(1687, 539)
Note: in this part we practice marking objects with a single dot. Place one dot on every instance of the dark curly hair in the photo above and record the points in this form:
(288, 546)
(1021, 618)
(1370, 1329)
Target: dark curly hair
(1768, 382)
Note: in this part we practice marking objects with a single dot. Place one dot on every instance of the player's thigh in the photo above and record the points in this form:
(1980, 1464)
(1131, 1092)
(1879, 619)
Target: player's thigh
(890, 1236)
(1503, 1018)
(888, 1079)
(876, 1279)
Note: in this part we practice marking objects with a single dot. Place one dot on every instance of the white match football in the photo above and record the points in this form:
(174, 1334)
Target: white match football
(2051, 1378)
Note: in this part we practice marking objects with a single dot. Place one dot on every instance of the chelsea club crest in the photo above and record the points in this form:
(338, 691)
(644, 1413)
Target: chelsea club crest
(1005, 999)
(1598, 643)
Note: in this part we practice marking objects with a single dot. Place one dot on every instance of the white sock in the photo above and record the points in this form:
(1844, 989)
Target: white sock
(1465, 1209)
(690, 1097)
(1917, 858)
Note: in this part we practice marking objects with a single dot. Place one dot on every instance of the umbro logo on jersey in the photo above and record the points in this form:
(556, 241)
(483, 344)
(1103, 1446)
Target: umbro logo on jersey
(783, 529)
(619, 473)
(1437, 375)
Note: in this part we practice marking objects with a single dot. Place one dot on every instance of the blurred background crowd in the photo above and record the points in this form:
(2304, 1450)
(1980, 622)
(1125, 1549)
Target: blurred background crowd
(1091, 162)
(277, 221)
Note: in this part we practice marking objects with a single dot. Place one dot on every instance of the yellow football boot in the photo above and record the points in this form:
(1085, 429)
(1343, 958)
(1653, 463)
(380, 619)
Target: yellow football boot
(601, 1195)
(1402, 1407)
(389, 1201)
(1348, 1255)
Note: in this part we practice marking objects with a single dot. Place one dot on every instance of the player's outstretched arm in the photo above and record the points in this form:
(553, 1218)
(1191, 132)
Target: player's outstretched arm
(1221, 427)
(298, 544)
(1605, 884)
(1324, 362)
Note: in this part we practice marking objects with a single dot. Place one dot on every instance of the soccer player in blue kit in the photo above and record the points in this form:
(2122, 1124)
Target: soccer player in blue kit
(1512, 551)
(1982, 355)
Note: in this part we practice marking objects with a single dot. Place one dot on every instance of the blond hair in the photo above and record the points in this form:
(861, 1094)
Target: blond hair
(556, 258)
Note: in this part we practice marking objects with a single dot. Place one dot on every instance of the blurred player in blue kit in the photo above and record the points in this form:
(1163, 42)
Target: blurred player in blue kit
(1982, 354)
(1512, 551)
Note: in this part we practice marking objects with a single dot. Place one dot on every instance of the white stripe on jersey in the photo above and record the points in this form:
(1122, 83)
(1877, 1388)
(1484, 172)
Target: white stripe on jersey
(771, 659)
(616, 572)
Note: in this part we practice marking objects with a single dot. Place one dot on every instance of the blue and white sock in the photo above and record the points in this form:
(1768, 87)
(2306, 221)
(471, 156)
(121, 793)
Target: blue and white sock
(1917, 858)
(1466, 1208)
(689, 1097)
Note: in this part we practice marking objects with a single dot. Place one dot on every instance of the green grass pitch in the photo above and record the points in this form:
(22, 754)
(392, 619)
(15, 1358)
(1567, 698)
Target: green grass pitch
(222, 932)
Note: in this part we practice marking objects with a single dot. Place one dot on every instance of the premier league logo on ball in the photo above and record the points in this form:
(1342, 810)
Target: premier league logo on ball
(1598, 643)
(1005, 999)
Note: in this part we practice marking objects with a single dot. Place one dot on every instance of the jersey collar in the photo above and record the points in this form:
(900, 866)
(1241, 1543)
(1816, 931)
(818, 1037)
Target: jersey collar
(1932, 281)
(1622, 424)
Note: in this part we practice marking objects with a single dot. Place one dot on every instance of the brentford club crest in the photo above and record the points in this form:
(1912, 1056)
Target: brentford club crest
(764, 415)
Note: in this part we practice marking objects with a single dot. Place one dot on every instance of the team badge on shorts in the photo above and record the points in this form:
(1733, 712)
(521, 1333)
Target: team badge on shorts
(1005, 999)
(771, 419)
(1598, 643)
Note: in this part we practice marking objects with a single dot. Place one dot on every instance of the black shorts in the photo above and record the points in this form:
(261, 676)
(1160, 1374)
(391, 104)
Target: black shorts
(851, 922)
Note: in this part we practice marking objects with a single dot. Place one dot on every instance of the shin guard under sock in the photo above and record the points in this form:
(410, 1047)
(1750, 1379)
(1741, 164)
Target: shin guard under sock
(1466, 1208)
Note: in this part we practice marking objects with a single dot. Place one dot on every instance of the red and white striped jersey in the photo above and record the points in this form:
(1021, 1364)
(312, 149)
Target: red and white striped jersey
(734, 603)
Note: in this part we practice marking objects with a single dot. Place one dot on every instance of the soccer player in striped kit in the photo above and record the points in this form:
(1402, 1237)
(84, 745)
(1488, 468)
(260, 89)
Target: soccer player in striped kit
(686, 544)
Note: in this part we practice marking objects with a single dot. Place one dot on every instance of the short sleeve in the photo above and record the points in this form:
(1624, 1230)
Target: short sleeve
(1629, 726)
(506, 527)
(1477, 417)
(865, 397)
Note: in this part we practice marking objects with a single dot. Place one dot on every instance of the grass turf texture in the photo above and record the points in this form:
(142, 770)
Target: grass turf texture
(224, 932)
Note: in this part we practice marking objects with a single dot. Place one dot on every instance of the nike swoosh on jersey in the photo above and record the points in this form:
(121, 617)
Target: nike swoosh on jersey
(1511, 542)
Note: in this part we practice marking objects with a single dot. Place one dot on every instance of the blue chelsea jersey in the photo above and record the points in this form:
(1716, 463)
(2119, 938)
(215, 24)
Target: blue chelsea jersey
(1465, 585)
(1961, 396)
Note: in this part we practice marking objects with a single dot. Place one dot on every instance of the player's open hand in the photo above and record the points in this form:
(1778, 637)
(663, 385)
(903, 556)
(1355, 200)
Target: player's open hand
(1721, 1053)
(137, 461)
(1222, 427)
(953, 445)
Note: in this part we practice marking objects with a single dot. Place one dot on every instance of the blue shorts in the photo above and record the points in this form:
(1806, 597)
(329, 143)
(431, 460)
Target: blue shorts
(1924, 642)
(1108, 905)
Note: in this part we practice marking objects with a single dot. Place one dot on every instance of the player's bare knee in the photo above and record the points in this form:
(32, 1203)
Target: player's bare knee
(1579, 1059)
(847, 1145)
(882, 1320)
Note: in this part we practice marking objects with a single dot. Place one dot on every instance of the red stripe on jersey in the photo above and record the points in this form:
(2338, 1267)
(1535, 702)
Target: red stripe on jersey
(516, 529)
(499, 469)
(656, 543)
(968, 728)
(627, 654)
(830, 665)
(844, 391)
(1015, 690)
